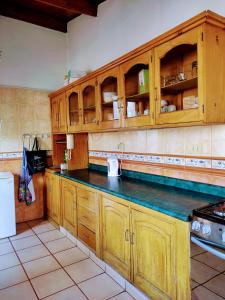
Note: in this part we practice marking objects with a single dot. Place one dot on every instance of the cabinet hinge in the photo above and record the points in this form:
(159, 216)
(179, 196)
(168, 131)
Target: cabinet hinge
(96, 82)
(151, 58)
(203, 108)
(202, 36)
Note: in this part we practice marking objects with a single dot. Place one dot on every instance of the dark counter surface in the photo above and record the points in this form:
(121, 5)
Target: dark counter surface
(172, 201)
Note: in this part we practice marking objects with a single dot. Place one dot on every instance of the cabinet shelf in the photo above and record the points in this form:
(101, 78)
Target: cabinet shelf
(106, 104)
(180, 86)
(74, 111)
(138, 97)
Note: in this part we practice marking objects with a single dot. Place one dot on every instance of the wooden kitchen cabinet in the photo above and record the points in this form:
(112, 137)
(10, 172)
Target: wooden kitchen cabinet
(58, 113)
(53, 197)
(89, 107)
(69, 206)
(109, 117)
(74, 109)
(87, 215)
(185, 69)
(153, 247)
(134, 99)
(116, 235)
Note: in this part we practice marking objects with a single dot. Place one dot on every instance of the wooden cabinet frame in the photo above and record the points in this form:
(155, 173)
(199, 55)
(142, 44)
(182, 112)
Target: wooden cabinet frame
(77, 127)
(58, 114)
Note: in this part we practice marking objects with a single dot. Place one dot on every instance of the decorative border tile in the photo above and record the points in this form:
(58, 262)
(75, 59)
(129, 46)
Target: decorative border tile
(159, 159)
(11, 155)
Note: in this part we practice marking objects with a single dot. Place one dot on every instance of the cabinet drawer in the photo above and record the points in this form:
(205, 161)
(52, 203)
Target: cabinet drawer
(87, 236)
(86, 217)
(86, 199)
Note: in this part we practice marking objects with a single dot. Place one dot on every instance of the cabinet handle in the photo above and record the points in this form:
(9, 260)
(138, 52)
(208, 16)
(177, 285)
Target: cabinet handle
(132, 238)
(127, 235)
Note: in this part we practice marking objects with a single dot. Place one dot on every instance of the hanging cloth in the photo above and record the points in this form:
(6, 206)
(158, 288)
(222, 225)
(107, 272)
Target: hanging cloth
(26, 189)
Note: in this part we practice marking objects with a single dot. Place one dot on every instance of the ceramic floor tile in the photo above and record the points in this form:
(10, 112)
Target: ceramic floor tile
(212, 261)
(194, 284)
(83, 270)
(6, 248)
(8, 260)
(12, 276)
(33, 223)
(200, 272)
(50, 236)
(70, 256)
(217, 285)
(43, 227)
(196, 250)
(26, 242)
(4, 240)
(22, 234)
(18, 292)
(201, 293)
(100, 287)
(41, 266)
(32, 253)
(122, 296)
(72, 293)
(51, 283)
(59, 245)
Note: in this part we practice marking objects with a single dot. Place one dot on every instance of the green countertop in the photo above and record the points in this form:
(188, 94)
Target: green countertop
(176, 202)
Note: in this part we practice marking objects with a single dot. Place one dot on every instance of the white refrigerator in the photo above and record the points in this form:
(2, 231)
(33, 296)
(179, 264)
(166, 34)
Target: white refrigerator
(7, 205)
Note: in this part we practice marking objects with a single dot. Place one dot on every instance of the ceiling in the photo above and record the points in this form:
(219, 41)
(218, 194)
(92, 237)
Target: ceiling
(53, 14)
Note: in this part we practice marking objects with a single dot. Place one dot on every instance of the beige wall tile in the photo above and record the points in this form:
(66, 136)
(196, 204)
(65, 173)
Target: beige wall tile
(155, 141)
(174, 141)
(198, 141)
(23, 111)
(218, 140)
(133, 141)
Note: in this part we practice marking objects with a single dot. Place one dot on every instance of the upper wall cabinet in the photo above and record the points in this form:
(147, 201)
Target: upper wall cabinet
(109, 99)
(137, 101)
(74, 109)
(58, 113)
(185, 68)
(89, 105)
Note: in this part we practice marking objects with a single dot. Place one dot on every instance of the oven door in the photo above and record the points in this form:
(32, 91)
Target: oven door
(205, 245)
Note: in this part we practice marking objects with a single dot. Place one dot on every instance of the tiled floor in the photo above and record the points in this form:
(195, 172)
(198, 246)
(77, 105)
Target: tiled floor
(41, 263)
(208, 275)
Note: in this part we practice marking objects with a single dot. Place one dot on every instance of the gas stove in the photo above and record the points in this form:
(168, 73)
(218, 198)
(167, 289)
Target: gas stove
(208, 224)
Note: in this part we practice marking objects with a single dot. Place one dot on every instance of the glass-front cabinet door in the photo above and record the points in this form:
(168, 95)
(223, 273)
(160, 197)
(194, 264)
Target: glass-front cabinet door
(74, 112)
(136, 82)
(109, 101)
(178, 82)
(89, 107)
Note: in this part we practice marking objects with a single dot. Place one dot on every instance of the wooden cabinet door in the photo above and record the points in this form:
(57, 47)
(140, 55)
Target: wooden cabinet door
(133, 99)
(179, 79)
(116, 237)
(56, 200)
(109, 116)
(74, 109)
(48, 189)
(55, 114)
(89, 115)
(62, 113)
(69, 207)
(154, 250)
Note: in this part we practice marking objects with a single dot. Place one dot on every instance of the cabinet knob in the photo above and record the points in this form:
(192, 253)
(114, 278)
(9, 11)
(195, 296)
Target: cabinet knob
(127, 235)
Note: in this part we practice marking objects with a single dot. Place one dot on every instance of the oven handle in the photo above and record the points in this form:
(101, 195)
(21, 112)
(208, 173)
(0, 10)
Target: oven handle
(201, 244)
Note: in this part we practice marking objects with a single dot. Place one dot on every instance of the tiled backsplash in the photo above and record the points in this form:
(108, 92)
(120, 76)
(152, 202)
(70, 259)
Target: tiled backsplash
(199, 146)
(23, 111)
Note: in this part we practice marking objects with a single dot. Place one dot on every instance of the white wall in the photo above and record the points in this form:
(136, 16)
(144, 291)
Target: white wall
(32, 56)
(122, 25)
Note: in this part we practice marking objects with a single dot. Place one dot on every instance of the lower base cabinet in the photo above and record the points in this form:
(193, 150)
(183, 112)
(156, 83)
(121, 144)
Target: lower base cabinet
(69, 206)
(115, 236)
(148, 248)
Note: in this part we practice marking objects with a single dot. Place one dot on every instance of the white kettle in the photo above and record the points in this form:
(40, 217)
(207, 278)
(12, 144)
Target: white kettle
(113, 167)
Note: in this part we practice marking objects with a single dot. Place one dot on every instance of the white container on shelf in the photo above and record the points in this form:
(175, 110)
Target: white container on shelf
(131, 109)
(7, 205)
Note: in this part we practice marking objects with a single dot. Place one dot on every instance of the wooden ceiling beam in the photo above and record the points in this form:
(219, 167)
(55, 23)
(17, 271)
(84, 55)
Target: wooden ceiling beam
(31, 16)
(85, 7)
